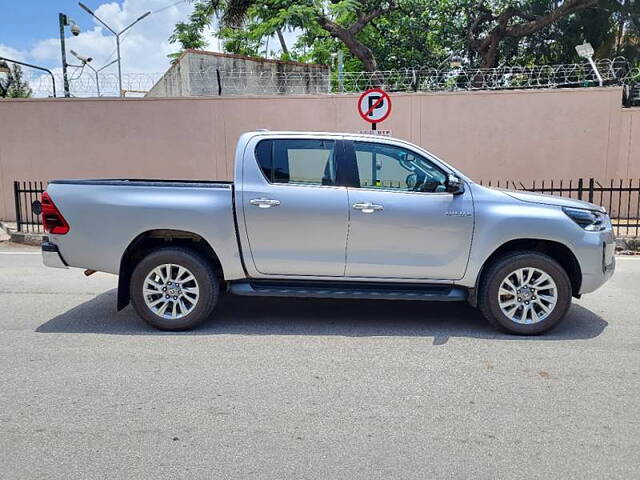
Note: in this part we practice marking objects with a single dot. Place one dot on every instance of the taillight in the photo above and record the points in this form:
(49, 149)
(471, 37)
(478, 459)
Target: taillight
(52, 219)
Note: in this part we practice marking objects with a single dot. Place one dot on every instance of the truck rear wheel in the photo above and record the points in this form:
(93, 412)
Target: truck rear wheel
(174, 289)
(525, 293)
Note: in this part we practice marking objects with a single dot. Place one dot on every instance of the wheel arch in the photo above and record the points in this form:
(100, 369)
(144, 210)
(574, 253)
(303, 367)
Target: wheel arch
(556, 250)
(151, 240)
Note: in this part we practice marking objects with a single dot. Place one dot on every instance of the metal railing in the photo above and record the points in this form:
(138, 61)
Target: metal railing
(620, 197)
(25, 194)
(213, 82)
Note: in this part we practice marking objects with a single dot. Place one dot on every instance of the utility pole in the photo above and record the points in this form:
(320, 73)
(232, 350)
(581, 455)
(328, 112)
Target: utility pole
(66, 21)
(341, 71)
(63, 21)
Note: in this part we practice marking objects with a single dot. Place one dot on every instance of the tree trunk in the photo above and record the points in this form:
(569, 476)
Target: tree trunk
(361, 52)
(355, 46)
(283, 44)
(488, 46)
(489, 55)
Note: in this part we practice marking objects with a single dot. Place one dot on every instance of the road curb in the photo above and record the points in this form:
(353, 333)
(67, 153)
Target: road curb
(21, 237)
(628, 245)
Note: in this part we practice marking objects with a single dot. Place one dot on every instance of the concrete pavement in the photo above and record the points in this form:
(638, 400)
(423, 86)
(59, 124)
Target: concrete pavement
(314, 389)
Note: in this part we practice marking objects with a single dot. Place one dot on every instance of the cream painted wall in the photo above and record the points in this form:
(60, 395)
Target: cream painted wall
(515, 135)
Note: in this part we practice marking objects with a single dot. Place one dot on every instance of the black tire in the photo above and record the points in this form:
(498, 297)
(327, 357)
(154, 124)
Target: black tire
(207, 282)
(500, 269)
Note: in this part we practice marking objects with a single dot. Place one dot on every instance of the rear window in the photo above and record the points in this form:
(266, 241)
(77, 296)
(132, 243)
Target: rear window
(298, 161)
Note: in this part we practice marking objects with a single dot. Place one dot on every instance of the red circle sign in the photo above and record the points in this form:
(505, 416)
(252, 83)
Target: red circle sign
(374, 105)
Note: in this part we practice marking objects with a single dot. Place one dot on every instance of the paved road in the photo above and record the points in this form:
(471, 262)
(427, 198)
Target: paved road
(311, 389)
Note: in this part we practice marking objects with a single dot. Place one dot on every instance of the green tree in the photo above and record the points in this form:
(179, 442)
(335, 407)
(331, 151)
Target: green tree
(341, 19)
(400, 34)
(190, 34)
(14, 85)
(491, 22)
(609, 26)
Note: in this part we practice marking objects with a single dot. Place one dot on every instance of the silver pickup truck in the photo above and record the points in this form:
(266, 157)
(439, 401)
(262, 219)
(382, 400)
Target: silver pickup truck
(331, 215)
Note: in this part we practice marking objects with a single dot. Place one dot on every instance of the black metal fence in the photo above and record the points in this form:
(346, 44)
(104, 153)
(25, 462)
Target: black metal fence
(25, 194)
(620, 197)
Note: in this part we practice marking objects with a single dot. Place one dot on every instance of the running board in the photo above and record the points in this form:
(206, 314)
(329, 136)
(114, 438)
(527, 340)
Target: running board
(442, 293)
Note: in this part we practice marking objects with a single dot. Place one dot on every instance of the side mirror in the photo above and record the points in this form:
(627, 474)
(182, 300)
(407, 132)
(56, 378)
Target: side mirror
(454, 185)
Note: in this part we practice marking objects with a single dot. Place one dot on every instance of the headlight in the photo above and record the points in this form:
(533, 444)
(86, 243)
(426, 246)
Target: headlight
(590, 220)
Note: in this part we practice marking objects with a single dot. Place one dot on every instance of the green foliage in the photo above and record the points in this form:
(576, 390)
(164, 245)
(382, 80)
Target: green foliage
(238, 42)
(14, 85)
(344, 8)
(410, 37)
(556, 44)
(190, 34)
(414, 33)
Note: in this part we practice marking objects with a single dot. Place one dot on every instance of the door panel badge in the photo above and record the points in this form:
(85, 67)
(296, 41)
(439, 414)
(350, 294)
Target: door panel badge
(457, 213)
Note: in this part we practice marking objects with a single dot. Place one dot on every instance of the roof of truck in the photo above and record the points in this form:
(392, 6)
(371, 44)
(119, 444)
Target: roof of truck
(400, 141)
(301, 132)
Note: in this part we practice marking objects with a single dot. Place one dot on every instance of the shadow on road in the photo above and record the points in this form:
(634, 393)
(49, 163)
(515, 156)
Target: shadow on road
(293, 316)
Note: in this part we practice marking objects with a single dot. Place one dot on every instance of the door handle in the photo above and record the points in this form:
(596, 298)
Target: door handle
(264, 202)
(367, 207)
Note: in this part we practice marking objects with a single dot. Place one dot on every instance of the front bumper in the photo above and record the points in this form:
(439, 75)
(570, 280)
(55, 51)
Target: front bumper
(597, 259)
(51, 256)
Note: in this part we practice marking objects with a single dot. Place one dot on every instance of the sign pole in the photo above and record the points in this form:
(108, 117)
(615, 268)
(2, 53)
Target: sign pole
(373, 126)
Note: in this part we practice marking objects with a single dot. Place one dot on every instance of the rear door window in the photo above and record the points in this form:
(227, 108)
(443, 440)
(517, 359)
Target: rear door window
(298, 161)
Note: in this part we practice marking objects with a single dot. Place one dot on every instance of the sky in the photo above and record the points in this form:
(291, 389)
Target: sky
(29, 31)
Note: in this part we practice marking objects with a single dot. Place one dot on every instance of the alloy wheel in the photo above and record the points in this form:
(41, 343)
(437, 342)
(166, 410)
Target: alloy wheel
(527, 295)
(170, 291)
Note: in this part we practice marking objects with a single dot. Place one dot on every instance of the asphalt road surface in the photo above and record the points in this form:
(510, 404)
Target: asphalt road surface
(311, 389)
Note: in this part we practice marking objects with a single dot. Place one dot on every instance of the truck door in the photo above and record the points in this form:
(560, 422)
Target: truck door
(403, 222)
(295, 211)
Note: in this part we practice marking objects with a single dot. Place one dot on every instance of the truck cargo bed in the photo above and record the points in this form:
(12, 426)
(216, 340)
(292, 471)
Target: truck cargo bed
(144, 182)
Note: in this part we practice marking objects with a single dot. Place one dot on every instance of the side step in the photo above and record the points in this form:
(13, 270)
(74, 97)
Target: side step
(386, 291)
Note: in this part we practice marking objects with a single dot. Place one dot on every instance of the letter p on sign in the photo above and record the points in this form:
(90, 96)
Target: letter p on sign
(374, 105)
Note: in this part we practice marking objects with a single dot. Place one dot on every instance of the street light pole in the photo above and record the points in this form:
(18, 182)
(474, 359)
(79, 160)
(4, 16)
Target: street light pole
(586, 51)
(119, 66)
(86, 62)
(98, 71)
(117, 35)
(53, 80)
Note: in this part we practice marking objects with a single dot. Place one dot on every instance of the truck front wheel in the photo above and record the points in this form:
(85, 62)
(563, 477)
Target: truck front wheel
(174, 289)
(525, 293)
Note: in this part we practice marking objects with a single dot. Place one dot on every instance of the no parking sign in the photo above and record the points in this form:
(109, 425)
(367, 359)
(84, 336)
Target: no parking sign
(374, 106)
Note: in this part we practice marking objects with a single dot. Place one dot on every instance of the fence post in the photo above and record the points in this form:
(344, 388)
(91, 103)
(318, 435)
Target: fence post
(580, 188)
(16, 194)
(591, 190)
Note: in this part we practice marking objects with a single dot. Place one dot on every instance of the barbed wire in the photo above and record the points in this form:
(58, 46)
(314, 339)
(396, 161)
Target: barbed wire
(212, 82)
(617, 70)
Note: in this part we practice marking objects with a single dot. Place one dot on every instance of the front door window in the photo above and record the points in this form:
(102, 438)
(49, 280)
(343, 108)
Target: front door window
(400, 227)
(388, 167)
